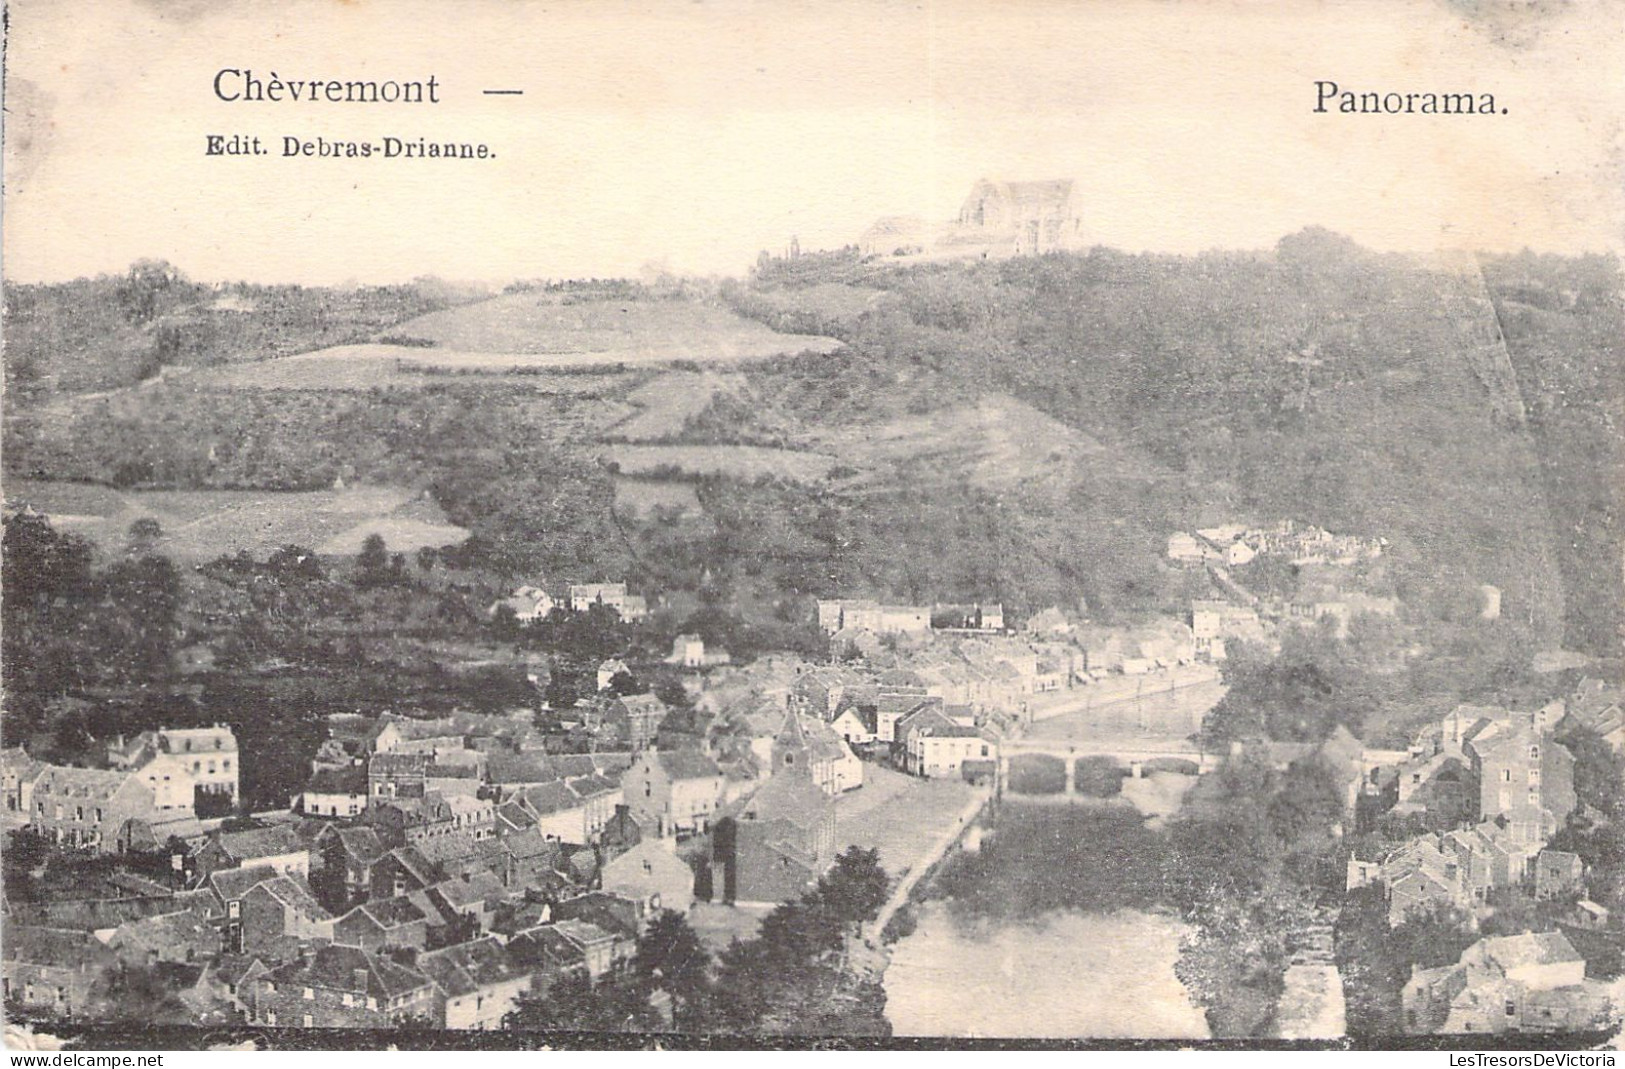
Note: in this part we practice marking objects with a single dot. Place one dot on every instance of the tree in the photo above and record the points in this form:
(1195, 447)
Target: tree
(623, 684)
(144, 534)
(671, 958)
(1307, 805)
(855, 888)
(373, 561)
(617, 1002)
(563, 691)
(146, 288)
(1599, 772)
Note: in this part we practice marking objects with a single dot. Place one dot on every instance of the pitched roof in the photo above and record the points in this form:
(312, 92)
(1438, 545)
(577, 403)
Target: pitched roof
(397, 764)
(180, 929)
(467, 967)
(785, 797)
(232, 884)
(387, 913)
(88, 783)
(53, 946)
(349, 780)
(361, 842)
(334, 967)
(466, 890)
(295, 893)
(522, 768)
(1530, 948)
(272, 841)
(687, 764)
(412, 860)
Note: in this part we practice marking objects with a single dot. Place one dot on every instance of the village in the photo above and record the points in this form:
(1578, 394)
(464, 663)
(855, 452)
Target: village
(440, 871)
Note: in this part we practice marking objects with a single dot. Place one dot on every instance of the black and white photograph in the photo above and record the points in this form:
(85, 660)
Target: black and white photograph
(769, 525)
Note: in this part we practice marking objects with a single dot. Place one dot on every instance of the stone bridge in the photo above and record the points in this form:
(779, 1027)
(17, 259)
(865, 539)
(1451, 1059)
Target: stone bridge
(1131, 755)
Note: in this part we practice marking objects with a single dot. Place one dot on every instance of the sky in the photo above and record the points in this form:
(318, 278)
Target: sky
(691, 135)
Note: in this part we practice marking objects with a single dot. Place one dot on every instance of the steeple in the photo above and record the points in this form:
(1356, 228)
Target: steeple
(791, 752)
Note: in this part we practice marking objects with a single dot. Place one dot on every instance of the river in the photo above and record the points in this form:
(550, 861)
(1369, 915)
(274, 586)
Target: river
(1067, 974)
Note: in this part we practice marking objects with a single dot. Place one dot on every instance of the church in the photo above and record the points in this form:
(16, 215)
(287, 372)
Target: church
(997, 219)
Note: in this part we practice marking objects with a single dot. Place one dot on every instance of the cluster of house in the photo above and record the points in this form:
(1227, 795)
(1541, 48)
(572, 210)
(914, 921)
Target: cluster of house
(531, 603)
(439, 873)
(1235, 544)
(855, 615)
(157, 785)
(1534, 982)
(1504, 783)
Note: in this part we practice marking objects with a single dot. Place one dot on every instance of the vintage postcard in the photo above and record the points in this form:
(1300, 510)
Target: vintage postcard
(774, 524)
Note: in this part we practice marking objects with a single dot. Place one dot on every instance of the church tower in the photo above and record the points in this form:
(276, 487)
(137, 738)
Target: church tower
(791, 752)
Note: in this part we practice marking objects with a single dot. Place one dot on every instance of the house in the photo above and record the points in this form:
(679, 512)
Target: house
(472, 896)
(352, 850)
(1589, 916)
(340, 987)
(651, 874)
(401, 870)
(276, 913)
(1558, 874)
(855, 643)
(476, 984)
(17, 774)
(1185, 548)
(938, 751)
(688, 651)
(528, 603)
(1525, 778)
(335, 792)
(632, 719)
(565, 811)
(279, 846)
(182, 937)
(625, 830)
(1519, 983)
(857, 725)
(1598, 707)
(565, 945)
(1215, 623)
(679, 790)
(382, 924)
(608, 670)
(398, 775)
(895, 705)
(584, 596)
(53, 971)
(227, 887)
(89, 807)
(187, 768)
(522, 859)
(230, 977)
(835, 616)
(774, 845)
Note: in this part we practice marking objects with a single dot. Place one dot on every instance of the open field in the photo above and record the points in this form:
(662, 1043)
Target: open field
(634, 330)
(642, 497)
(830, 300)
(899, 815)
(736, 461)
(994, 444)
(204, 524)
(669, 401)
